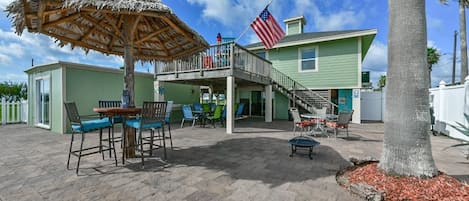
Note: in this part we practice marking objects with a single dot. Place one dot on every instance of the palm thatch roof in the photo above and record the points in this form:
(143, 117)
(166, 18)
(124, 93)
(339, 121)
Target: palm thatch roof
(149, 26)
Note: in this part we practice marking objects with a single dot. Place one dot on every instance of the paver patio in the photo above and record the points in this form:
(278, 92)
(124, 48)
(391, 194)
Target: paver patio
(206, 164)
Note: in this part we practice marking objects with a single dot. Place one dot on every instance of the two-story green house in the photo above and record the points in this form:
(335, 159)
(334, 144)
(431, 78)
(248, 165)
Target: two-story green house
(329, 63)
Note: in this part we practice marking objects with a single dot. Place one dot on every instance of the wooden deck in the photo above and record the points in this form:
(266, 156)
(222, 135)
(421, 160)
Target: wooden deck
(211, 67)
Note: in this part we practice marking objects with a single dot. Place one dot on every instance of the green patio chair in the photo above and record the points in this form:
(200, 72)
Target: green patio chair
(216, 115)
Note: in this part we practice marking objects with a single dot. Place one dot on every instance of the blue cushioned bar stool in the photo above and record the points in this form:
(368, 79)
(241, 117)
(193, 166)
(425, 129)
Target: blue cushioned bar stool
(114, 120)
(152, 118)
(83, 127)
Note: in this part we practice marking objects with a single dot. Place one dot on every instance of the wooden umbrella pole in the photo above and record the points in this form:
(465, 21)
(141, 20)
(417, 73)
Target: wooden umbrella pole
(129, 58)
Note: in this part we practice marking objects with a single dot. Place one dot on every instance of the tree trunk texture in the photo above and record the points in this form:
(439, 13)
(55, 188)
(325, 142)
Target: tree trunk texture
(129, 58)
(462, 27)
(406, 145)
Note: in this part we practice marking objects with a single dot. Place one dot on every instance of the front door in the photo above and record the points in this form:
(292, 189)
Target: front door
(43, 102)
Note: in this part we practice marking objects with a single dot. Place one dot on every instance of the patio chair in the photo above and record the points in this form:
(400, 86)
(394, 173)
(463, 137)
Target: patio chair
(114, 120)
(82, 127)
(152, 118)
(297, 122)
(216, 115)
(187, 115)
(206, 108)
(197, 108)
(239, 112)
(167, 120)
(342, 122)
(213, 106)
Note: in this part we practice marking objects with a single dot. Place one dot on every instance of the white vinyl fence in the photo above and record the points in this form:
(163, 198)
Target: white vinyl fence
(372, 105)
(449, 103)
(13, 112)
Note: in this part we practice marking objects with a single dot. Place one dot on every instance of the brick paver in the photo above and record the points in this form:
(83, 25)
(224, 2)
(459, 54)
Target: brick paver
(206, 164)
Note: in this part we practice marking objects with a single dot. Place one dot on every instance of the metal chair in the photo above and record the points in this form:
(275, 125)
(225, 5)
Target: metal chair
(187, 115)
(167, 119)
(217, 115)
(83, 127)
(114, 120)
(342, 122)
(152, 118)
(297, 122)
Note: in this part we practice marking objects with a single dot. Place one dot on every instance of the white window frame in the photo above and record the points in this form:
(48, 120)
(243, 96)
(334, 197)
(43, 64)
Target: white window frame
(316, 59)
(36, 103)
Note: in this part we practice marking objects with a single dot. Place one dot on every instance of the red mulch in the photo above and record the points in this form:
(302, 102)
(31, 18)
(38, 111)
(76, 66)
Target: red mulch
(441, 187)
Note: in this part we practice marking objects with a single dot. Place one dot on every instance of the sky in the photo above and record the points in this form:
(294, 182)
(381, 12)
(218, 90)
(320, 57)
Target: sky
(232, 17)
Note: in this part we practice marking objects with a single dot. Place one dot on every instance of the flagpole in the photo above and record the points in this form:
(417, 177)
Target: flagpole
(247, 28)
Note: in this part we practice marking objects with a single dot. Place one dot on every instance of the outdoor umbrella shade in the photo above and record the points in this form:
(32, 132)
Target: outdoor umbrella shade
(138, 30)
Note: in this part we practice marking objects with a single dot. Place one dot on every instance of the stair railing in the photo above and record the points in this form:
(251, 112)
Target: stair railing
(301, 91)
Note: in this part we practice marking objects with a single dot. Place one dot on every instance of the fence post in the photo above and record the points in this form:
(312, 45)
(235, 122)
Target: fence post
(4, 111)
(466, 99)
(441, 109)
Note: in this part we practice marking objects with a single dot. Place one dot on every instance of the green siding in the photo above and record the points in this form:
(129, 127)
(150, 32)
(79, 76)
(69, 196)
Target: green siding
(337, 64)
(180, 94)
(87, 87)
(293, 28)
(281, 106)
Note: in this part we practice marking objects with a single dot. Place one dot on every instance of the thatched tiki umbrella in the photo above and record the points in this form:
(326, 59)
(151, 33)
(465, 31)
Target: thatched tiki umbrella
(144, 30)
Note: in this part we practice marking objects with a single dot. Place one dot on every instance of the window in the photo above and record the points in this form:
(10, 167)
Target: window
(308, 59)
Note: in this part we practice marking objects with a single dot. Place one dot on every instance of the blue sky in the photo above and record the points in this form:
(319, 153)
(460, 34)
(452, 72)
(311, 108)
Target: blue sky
(231, 17)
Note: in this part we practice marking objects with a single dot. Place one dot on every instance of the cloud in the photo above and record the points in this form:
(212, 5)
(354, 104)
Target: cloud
(345, 17)
(234, 14)
(4, 4)
(377, 57)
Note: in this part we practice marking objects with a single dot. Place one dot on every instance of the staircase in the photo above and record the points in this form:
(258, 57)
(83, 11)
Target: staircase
(299, 94)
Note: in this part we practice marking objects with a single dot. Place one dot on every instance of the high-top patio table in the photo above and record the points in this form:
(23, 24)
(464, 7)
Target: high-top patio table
(129, 137)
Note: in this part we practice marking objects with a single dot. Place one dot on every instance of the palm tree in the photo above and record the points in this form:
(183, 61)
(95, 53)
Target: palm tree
(382, 81)
(406, 145)
(433, 56)
(463, 4)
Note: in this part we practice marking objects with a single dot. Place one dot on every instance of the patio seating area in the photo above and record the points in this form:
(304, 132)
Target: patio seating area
(205, 164)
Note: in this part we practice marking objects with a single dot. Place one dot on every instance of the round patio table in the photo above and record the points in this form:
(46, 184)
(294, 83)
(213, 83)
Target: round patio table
(128, 134)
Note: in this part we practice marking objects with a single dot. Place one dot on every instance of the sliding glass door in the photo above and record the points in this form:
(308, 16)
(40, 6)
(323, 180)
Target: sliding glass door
(43, 102)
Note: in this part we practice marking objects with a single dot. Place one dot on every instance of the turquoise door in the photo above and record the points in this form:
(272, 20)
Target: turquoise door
(345, 100)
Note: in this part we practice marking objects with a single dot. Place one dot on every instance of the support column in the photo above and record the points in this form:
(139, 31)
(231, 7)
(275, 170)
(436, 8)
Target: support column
(356, 104)
(268, 103)
(158, 87)
(230, 89)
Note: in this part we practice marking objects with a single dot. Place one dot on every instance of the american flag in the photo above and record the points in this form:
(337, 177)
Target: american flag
(267, 29)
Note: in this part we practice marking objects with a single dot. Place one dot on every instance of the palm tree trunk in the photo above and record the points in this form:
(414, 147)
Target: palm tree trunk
(429, 75)
(462, 27)
(406, 145)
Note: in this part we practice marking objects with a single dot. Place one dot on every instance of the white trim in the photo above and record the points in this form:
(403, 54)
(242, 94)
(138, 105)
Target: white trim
(64, 95)
(316, 62)
(321, 39)
(42, 77)
(294, 18)
(359, 62)
(65, 64)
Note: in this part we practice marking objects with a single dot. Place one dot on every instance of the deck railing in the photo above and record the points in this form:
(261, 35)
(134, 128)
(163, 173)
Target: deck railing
(13, 112)
(217, 57)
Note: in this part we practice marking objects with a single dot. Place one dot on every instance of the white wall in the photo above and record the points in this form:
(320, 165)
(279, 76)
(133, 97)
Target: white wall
(448, 105)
